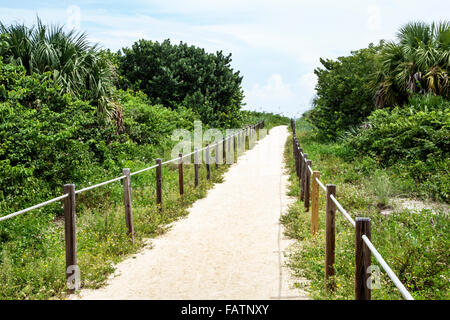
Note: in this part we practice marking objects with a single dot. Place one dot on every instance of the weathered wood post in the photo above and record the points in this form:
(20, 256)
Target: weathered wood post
(330, 236)
(196, 167)
(307, 185)
(159, 184)
(127, 202)
(72, 271)
(180, 175)
(303, 174)
(208, 172)
(315, 203)
(294, 153)
(297, 158)
(362, 259)
(300, 160)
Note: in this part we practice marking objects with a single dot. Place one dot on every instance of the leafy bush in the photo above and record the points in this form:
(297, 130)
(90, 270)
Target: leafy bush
(344, 95)
(174, 75)
(67, 58)
(415, 139)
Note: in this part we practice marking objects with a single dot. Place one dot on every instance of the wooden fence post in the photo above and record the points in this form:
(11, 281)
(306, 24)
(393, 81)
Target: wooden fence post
(159, 184)
(307, 184)
(180, 175)
(294, 154)
(196, 167)
(297, 158)
(303, 178)
(244, 137)
(300, 161)
(127, 202)
(208, 172)
(362, 259)
(72, 271)
(330, 236)
(315, 203)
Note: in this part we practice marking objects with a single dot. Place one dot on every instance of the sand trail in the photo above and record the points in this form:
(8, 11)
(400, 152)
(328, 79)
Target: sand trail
(230, 246)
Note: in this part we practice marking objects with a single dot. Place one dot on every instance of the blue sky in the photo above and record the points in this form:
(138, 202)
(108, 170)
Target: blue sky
(276, 44)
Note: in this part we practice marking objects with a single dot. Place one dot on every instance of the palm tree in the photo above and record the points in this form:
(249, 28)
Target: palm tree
(418, 63)
(75, 65)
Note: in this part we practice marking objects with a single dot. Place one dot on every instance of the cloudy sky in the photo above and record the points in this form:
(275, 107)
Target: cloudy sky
(276, 44)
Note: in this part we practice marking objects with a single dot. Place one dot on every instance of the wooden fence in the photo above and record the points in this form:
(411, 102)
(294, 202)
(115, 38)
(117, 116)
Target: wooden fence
(310, 185)
(236, 142)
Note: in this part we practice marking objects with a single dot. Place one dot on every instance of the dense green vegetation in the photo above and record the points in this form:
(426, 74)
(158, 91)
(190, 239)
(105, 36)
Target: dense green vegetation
(415, 245)
(344, 94)
(174, 75)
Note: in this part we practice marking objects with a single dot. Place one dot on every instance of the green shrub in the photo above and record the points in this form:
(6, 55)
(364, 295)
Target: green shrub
(344, 94)
(414, 140)
(173, 75)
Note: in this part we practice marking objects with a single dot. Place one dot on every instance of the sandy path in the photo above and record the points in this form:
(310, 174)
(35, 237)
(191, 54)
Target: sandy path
(230, 246)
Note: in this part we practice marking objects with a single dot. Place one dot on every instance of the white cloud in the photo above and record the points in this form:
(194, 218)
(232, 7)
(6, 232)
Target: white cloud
(278, 96)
